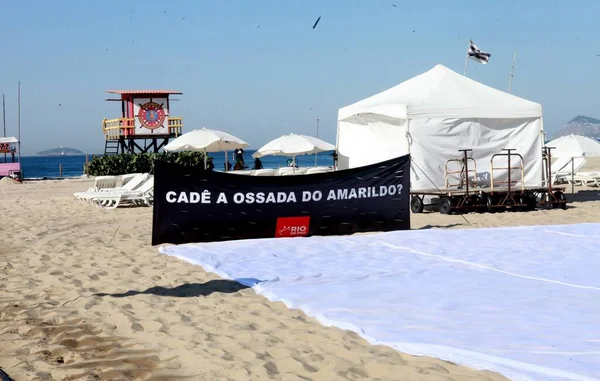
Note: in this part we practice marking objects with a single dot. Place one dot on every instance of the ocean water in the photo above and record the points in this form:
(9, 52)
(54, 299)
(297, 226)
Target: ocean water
(39, 167)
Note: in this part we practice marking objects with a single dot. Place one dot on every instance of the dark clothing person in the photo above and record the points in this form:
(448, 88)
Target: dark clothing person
(257, 164)
(239, 156)
(210, 165)
(238, 166)
(227, 166)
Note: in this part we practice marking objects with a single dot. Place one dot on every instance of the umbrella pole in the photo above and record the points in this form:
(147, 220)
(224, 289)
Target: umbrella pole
(226, 169)
(205, 159)
(294, 164)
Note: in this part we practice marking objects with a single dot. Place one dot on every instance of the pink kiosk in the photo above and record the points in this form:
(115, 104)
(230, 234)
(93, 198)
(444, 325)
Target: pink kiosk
(9, 158)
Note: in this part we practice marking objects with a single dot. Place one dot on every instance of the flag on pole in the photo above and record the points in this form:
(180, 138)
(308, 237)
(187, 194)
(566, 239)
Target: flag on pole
(476, 54)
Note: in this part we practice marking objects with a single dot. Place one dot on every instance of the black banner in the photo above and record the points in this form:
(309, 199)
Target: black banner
(192, 205)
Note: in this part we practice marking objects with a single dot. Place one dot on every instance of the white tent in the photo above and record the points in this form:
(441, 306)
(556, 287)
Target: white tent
(432, 116)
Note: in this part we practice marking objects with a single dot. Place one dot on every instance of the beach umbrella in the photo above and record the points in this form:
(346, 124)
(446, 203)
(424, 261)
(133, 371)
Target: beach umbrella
(293, 145)
(574, 146)
(206, 140)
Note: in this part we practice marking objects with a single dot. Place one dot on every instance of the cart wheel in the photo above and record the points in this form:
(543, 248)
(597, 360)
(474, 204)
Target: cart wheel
(561, 197)
(445, 205)
(416, 204)
(489, 203)
(478, 203)
(531, 201)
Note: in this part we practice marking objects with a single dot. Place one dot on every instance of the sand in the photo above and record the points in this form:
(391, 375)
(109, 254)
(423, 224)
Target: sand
(83, 296)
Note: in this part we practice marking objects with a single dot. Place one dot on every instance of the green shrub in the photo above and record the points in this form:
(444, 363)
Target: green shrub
(113, 165)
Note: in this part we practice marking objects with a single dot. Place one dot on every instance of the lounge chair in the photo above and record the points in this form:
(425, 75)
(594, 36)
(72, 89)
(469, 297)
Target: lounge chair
(144, 195)
(319, 170)
(588, 179)
(247, 172)
(265, 172)
(102, 182)
(289, 171)
(128, 177)
(133, 184)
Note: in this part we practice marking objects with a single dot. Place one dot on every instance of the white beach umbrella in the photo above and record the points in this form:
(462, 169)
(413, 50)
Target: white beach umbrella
(293, 145)
(574, 146)
(206, 140)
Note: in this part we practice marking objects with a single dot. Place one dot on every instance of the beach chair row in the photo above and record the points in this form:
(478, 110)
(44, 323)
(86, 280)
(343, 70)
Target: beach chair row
(110, 192)
(284, 171)
(580, 171)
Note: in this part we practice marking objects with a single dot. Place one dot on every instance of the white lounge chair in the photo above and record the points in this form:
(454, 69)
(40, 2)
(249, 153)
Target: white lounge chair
(319, 170)
(247, 172)
(133, 184)
(144, 195)
(289, 171)
(101, 182)
(128, 177)
(588, 179)
(265, 172)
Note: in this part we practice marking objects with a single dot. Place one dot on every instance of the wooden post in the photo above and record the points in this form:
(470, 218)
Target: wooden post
(60, 170)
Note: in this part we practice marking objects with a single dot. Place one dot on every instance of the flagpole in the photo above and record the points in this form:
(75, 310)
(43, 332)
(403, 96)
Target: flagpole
(512, 71)
(467, 59)
(4, 120)
(19, 124)
(317, 138)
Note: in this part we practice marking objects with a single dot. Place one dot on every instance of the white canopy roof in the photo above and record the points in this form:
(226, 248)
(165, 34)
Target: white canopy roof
(441, 92)
(206, 140)
(8, 139)
(574, 146)
(293, 145)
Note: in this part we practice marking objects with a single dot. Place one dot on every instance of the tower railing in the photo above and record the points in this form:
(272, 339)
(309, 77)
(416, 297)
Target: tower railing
(116, 128)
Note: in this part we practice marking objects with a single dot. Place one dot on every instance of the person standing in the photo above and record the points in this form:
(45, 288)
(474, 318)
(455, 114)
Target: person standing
(239, 156)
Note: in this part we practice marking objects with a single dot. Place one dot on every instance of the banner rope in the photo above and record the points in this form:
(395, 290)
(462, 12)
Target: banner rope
(436, 187)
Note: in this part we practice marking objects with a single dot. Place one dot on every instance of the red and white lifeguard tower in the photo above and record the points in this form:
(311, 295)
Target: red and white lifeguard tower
(145, 125)
(9, 164)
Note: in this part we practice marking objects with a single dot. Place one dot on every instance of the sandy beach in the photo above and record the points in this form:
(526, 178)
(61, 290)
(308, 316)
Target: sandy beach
(83, 296)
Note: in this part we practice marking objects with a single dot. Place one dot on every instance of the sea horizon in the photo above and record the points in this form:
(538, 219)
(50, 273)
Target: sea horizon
(36, 167)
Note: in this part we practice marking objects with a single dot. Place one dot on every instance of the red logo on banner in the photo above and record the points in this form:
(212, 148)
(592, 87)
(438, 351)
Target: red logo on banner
(292, 227)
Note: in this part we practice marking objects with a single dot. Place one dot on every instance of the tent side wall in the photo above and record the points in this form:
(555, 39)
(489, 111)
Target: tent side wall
(368, 139)
(435, 140)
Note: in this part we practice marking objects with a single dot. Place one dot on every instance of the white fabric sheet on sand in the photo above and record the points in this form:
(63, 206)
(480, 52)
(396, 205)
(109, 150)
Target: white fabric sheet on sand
(520, 301)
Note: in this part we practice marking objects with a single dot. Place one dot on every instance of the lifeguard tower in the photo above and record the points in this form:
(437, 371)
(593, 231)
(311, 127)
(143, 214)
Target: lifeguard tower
(9, 164)
(145, 125)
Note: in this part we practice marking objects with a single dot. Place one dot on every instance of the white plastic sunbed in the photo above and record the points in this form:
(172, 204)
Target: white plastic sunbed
(133, 184)
(128, 177)
(247, 172)
(289, 171)
(588, 179)
(265, 172)
(101, 182)
(319, 170)
(144, 195)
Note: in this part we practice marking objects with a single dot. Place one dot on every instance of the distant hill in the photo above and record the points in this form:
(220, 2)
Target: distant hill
(581, 125)
(60, 152)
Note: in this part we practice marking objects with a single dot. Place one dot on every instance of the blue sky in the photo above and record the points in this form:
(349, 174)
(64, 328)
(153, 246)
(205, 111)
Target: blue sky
(257, 69)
